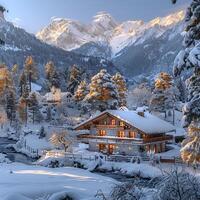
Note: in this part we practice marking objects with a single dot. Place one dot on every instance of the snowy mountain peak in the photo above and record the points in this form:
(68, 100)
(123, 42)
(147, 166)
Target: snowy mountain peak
(104, 20)
(69, 34)
(168, 20)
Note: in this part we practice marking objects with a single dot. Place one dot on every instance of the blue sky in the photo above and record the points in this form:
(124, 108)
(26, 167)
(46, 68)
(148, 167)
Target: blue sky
(35, 14)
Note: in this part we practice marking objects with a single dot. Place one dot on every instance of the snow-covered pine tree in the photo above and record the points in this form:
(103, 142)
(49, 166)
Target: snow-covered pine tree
(181, 86)
(5, 79)
(42, 132)
(189, 59)
(22, 109)
(30, 70)
(15, 74)
(191, 145)
(120, 83)
(6, 84)
(11, 105)
(49, 115)
(163, 96)
(33, 108)
(52, 76)
(103, 92)
(81, 91)
(55, 80)
(74, 79)
(22, 83)
(49, 70)
(23, 105)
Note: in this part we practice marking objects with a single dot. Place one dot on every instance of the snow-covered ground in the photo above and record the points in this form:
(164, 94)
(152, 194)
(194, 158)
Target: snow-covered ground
(173, 152)
(23, 182)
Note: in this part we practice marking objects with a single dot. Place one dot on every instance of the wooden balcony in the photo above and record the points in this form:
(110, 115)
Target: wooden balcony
(123, 140)
(158, 139)
(109, 139)
(108, 126)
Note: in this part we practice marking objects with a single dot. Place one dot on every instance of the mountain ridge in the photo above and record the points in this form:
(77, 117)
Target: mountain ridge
(72, 34)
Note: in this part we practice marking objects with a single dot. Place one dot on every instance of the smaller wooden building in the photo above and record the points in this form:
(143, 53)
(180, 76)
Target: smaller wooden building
(125, 132)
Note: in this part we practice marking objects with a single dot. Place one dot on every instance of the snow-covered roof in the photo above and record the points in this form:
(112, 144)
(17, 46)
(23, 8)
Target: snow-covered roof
(35, 87)
(148, 124)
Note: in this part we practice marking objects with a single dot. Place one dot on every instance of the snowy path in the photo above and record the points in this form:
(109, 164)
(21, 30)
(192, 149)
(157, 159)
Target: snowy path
(34, 182)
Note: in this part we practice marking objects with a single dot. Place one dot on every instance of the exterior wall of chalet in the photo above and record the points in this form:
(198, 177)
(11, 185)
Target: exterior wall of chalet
(110, 135)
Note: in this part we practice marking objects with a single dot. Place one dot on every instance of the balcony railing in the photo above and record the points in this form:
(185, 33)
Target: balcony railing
(156, 139)
(109, 126)
(124, 139)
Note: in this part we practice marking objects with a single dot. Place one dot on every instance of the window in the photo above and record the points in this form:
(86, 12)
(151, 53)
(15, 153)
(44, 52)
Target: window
(111, 148)
(102, 147)
(122, 124)
(113, 122)
(102, 133)
(132, 134)
(121, 134)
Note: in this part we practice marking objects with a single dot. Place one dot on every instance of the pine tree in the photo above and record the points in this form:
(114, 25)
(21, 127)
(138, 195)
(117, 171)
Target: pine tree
(22, 83)
(11, 106)
(49, 70)
(52, 75)
(55, 80)
(103, 92)
(30, 70)
(189, 59)
(74, 79)
(121, 87)
(163, 96)
(23, 105)
(49, 115)
(5, 78)
(6, 83)
(22, 109)
(81, 91)
(33, 107)
(42, 132)
(190, 151)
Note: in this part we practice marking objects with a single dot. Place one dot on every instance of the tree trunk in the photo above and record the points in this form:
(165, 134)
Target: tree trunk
(30, 80)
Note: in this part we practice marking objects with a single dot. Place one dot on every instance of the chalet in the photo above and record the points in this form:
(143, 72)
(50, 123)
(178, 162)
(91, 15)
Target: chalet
(125, 132)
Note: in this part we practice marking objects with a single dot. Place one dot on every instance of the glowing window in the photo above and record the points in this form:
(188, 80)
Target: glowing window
(102, 132)
(121, 123)
(113, 122)
(132, 134)
(121, 134)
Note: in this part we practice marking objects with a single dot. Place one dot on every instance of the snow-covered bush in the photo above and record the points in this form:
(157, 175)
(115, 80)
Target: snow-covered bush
(60, 196)
(126, 191)
(3, 159)
(179, 186)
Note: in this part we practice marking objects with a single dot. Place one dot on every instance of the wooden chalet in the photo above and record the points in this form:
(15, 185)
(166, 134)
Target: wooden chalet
(125, 132)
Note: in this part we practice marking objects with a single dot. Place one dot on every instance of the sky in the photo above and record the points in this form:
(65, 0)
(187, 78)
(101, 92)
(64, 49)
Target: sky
(33, 15)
